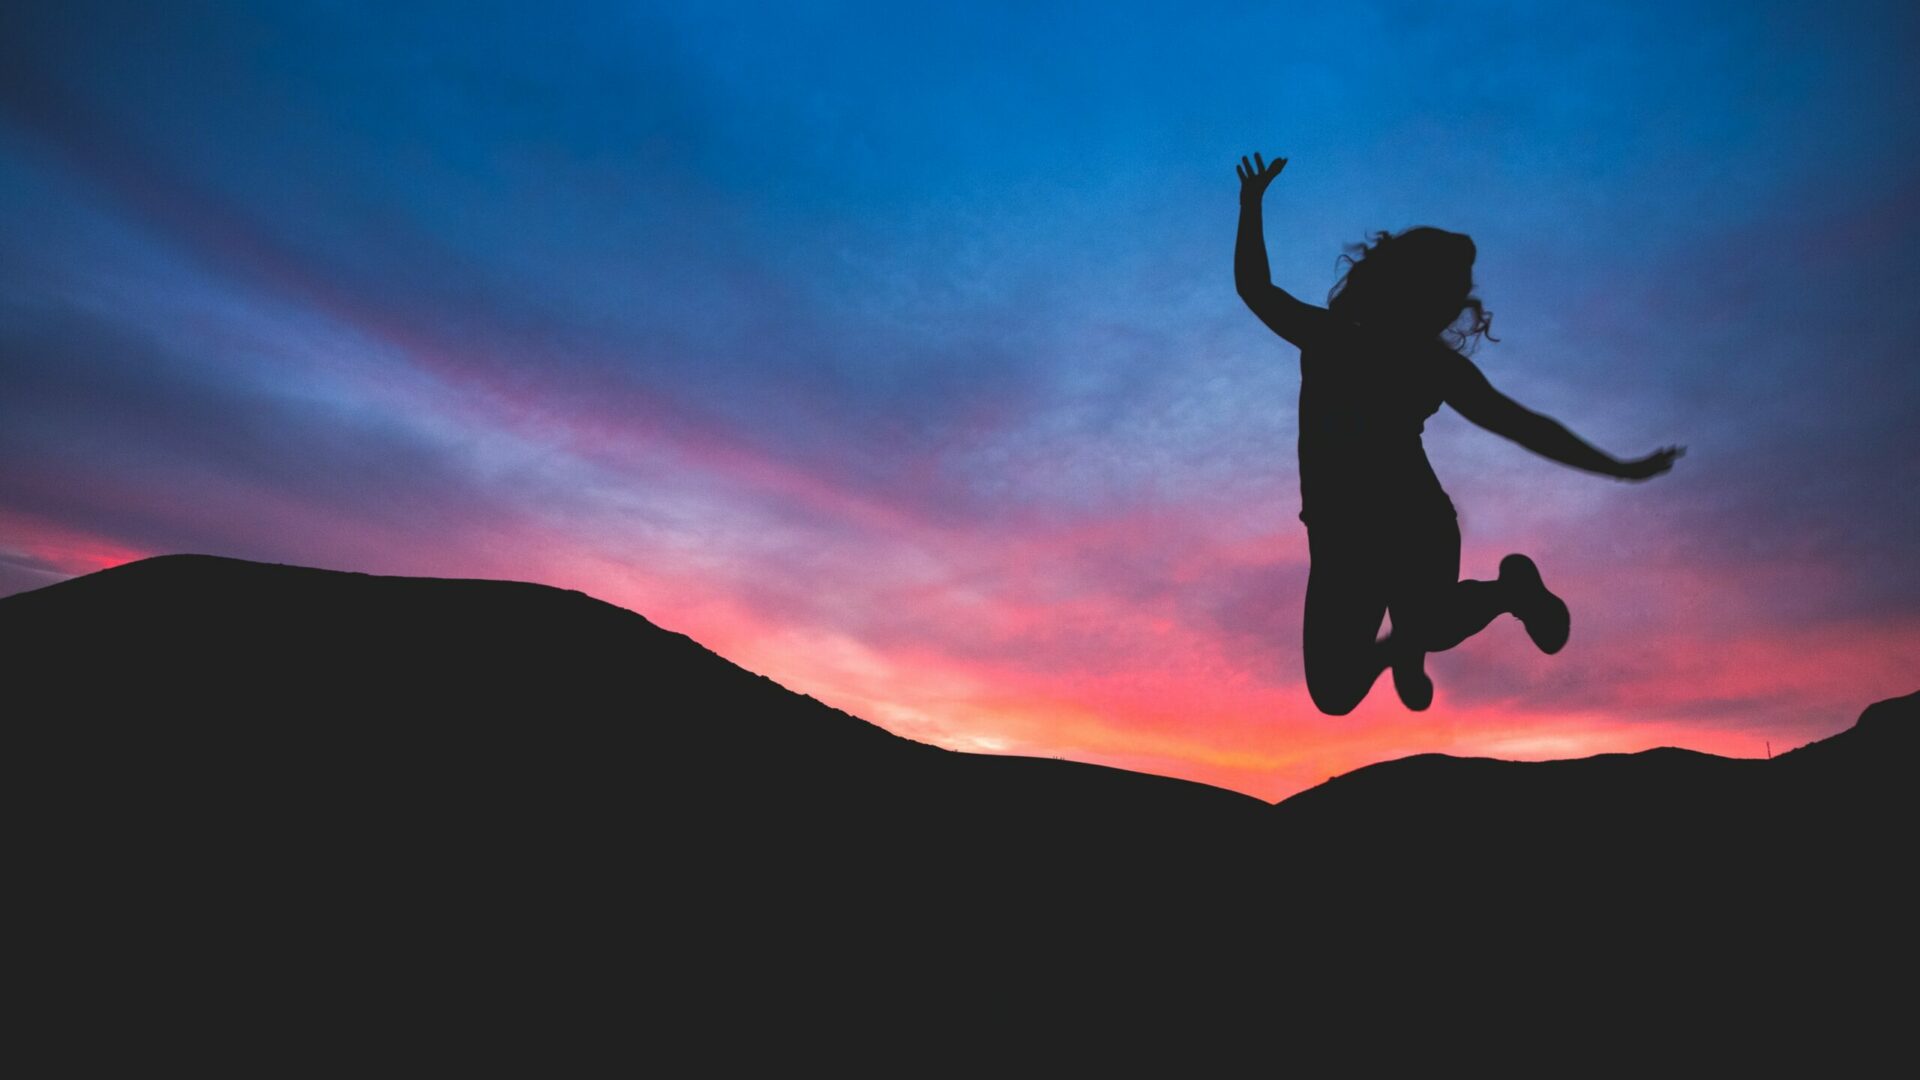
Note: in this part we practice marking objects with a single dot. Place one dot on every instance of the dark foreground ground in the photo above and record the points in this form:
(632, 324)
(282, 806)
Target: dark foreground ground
(251, 795)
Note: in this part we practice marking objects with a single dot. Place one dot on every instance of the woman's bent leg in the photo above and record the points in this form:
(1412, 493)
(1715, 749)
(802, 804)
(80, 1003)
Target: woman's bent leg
(1346, 599)
(1433, 610)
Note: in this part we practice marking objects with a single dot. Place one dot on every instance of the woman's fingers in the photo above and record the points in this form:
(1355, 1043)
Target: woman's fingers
(1662, 460)
(1655, 464)
(1258, 170)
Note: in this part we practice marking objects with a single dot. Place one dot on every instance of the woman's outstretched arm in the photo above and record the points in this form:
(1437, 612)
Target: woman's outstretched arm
(1469, 392)
(1297, 321)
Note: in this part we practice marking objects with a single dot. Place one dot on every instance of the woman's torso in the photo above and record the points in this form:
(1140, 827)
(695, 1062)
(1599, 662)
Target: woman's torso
(1364, 402)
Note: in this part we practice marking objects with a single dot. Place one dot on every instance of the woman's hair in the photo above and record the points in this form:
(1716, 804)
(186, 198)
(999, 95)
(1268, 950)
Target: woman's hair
(1418, 282)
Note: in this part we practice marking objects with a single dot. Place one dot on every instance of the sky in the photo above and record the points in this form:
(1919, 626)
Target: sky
(892, 351)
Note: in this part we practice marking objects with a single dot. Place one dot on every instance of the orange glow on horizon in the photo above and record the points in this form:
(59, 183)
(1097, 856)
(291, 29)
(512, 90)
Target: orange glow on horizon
(69, 550)
(1173, 700)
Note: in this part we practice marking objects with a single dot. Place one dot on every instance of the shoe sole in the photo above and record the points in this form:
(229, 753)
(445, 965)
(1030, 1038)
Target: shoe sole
(1545, 615)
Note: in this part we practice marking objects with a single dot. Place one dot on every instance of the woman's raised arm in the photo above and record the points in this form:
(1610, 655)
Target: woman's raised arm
(1297, 321)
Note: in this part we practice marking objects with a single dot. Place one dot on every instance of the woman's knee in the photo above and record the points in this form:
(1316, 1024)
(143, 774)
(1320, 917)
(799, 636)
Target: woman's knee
(1337, 693)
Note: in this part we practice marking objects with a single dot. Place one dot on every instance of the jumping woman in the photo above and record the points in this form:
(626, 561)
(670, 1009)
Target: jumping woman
(1380, 358)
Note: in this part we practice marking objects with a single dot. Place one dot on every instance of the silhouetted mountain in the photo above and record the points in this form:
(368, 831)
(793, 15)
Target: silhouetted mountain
(237, 767)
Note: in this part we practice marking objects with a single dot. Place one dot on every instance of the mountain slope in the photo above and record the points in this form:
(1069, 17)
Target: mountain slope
(207, 674)
(423, 775)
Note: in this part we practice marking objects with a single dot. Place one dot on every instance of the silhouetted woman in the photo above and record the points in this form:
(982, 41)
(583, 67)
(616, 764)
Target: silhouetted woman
(1381, 533)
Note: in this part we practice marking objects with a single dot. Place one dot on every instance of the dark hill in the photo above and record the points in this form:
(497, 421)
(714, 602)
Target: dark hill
(197, 672)
(235, 764)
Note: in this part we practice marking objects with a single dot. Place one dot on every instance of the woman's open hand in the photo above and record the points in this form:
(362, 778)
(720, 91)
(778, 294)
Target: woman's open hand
(1652, 465)
(1255, 175)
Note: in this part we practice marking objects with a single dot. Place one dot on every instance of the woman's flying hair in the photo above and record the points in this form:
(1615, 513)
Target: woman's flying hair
(1420, 280)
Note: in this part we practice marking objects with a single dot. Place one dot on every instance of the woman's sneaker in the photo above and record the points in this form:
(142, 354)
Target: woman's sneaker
(1543, 614)
(1411, 682)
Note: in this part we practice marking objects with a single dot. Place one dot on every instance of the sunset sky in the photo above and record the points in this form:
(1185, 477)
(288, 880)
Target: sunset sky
(892, 350)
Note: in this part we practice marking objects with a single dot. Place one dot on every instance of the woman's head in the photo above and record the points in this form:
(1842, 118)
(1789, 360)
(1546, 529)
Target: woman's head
(1417, 283)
